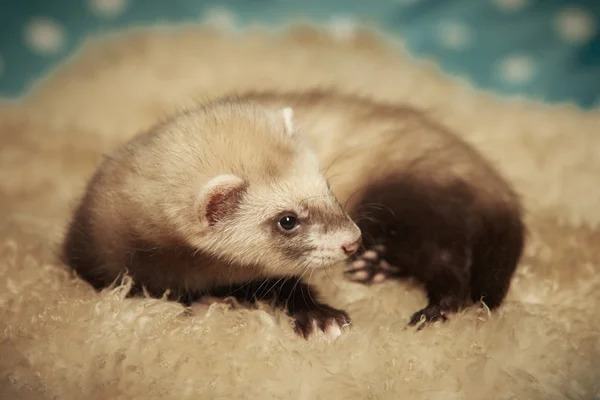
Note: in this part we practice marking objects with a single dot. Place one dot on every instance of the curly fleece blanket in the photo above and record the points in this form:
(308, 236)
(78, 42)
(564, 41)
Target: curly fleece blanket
(59, 339)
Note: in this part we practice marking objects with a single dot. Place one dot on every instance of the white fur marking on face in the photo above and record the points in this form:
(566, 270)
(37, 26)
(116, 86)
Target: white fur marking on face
(288, 120)
(330, 244)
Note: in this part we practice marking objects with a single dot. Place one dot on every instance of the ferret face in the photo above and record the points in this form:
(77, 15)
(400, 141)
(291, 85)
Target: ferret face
(298, 224)
(273, 208)
(286, 228)
(283, 219)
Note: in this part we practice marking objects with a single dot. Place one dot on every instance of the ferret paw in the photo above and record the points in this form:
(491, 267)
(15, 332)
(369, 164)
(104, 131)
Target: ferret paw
(370, 267)
(325, 319)
(428, 315)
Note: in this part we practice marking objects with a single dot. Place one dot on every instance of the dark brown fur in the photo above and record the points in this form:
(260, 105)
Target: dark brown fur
(300, 300)
(442, 235)
(444, 215)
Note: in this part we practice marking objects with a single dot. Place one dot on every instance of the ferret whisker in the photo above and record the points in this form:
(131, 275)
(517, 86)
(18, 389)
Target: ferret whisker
(269, 291)
(354, 193)
(366, 218)
(374, 223)
(291, 293)
(258, 289)
(280, 282)
(302, 291)
(312, 299)
(248, 283)
(326, 268)
(373, 206)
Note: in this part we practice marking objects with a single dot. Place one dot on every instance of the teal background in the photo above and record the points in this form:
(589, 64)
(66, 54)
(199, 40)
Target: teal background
(487, 37)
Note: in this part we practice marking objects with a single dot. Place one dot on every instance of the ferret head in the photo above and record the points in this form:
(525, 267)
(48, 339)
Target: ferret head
(266, 203)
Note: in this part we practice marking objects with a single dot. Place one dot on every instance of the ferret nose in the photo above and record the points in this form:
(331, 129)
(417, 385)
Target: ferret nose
(350, 248)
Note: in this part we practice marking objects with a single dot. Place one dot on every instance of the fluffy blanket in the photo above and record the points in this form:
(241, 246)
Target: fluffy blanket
(59, 339)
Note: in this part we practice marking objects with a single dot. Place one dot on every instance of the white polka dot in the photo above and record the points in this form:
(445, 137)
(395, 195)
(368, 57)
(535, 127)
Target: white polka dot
(517, 69)
(44, 35)
(454, 35)
(343, 27)
(220, 18)
(108, 8)
(575, 25)
(512, 5)
(406, 2)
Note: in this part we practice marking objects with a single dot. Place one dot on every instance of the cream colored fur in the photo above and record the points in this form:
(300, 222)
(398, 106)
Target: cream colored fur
(60, 339)
(158, 185)
(360, 143)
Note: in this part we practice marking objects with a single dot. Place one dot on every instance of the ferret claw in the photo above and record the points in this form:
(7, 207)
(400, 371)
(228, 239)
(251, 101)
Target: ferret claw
(427, 316)
(328, 320)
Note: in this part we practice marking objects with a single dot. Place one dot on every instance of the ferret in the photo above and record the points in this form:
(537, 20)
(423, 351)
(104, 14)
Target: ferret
(222, 200)
(248, 193)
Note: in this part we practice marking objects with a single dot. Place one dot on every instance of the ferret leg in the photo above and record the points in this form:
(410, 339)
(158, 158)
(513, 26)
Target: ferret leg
(298, 299)
(371, 266)
(310, 315)
(447, 290)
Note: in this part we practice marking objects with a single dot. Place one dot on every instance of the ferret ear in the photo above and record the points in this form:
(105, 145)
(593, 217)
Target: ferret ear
(220, 197)
(288, 120)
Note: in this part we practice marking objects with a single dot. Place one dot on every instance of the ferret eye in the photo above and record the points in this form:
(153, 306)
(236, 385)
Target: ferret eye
(288, 222)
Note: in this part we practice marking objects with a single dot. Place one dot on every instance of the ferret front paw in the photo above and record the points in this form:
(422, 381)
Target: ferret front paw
(370, 267)
(327, 319)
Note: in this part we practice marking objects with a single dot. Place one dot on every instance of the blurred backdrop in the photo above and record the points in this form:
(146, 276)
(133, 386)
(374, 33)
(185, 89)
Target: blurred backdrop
(542, 49)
